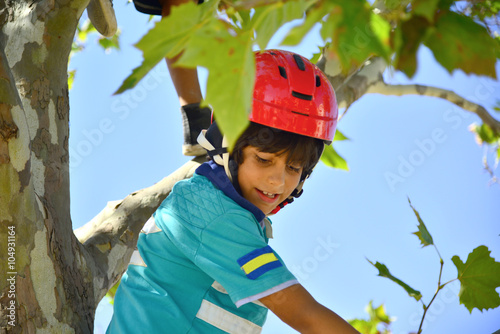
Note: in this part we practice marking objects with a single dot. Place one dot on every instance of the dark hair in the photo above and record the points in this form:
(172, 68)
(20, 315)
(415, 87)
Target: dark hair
(300, 149)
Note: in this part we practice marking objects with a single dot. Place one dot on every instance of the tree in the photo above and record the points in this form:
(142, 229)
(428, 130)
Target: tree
(60, 276)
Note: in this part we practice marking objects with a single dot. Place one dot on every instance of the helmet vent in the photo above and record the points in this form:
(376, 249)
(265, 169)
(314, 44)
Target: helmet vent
(318, 81)
(300, 62)
(282, 71)
(302, 96)
(299, 113)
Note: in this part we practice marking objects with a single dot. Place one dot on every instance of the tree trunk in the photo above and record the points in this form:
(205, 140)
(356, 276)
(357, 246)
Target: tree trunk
(46, 285)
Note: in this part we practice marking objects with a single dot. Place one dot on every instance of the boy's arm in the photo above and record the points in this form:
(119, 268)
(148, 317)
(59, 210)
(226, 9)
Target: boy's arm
(297, 308)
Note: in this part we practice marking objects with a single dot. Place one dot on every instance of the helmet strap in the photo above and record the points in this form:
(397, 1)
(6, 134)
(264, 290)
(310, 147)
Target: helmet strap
(221, 157)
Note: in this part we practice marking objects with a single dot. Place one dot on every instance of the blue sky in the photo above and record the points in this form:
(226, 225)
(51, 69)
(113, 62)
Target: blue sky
(400, 147)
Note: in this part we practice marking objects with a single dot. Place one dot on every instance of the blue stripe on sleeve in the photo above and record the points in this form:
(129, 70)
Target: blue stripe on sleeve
(264, 269)
(253, 254)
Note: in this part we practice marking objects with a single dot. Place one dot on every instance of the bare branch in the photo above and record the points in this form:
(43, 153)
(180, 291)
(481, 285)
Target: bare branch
(112, 235)
(399, 90)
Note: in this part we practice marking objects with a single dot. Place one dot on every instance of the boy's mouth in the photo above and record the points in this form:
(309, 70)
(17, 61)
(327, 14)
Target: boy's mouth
(266, 196)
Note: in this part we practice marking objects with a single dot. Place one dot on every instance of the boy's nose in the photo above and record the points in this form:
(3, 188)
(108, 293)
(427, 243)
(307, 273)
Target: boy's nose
(277, 178)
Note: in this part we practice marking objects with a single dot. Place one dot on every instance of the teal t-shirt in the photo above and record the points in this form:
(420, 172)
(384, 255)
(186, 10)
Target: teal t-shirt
(202, 264)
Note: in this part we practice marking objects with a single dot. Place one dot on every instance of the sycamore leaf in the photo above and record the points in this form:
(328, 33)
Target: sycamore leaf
(331, 158)
(479, 277)
(268, 19)
(167, 38)
(313, 16)
(206, 41)
(356, 33)
(339, 136)
(112, 292)
(230, 62)
(110, 43)
(383, 271)
(458, 42)
(422, 233)
(425, 8)
(316, 56)
(377, 315)
(407, 39)
(382, 31)
(71, 78)
(484, 134)
(392, 4)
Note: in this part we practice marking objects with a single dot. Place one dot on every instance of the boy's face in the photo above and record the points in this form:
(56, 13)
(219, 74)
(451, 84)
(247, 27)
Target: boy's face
(266, 179)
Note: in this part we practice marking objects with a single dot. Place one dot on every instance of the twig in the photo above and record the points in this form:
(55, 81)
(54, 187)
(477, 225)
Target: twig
(439, 288)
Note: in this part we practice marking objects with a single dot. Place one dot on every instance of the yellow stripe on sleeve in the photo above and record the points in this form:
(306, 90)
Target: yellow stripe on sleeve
(259, 261)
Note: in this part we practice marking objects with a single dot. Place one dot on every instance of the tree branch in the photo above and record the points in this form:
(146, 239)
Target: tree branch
(111, 236)
(399, 90)
(349, 88)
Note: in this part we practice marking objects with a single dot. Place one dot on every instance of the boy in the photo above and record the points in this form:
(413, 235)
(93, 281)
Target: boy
(185, 80)
(203, 263)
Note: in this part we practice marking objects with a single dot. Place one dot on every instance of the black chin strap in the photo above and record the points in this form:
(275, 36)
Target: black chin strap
(233, 169)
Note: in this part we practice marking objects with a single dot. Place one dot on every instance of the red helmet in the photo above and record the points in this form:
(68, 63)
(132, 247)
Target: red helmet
(290, 94)
(293, 95)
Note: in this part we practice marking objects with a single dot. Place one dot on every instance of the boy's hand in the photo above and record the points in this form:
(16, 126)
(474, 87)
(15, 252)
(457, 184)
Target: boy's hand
(296, 307)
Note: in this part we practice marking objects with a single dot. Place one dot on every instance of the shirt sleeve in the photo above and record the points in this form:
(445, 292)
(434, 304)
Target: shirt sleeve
(231, 250)
(235, 254)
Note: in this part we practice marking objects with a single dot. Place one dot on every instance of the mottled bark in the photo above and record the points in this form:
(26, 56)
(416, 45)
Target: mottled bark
(53, 285)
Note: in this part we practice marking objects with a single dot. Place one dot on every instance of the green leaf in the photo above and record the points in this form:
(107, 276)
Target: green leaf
(422, 233)
(268, 19)
(112, 292)
(331, 158)
(383, 271)
(339, 136)
(364, 326)
(313, 16)
(392, 4)
(407, 39)
(458, 42)
(71, 78)
(167, 38)
(382, 31)
(479, 277)
(230, 62)
(84, 30)
(425, 8)
(377, 315)
(316, 56)
(484, 134)
(110, 43)
(350, 25)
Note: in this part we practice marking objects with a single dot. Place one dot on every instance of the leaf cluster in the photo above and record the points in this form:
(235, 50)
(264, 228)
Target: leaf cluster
(221, 35)
(479, 275)
(378, 323)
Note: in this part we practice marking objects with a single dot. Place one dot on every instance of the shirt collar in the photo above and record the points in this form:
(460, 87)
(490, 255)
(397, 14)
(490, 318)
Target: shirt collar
(218, 177)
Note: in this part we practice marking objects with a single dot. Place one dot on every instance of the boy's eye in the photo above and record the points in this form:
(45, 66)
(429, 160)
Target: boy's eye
(294, 169)
(261, 160)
